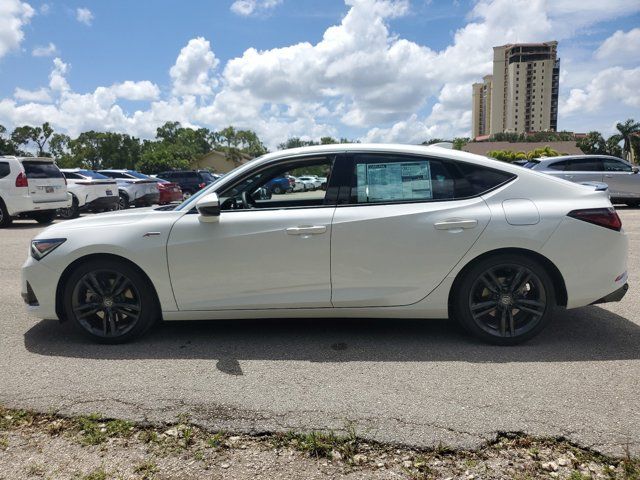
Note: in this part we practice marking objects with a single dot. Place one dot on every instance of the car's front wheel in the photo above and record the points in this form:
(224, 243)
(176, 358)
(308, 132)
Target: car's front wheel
(504, 299)
(110, 301)
(5, 218)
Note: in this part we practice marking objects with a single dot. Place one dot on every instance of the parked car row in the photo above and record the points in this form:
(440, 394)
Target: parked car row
(36, 188)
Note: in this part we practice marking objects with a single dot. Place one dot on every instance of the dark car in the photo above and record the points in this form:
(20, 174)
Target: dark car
(279, 185)
(190, 181)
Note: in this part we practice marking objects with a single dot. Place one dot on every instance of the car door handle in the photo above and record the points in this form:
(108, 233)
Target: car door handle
(312, 230)
(455, 224)
(568, 176)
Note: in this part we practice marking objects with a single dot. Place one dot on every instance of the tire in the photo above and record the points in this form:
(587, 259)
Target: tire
(72, 212)
(633, 204)
(277, 190)
(505, 299)
(80, 297)
(186, 194)
(45, 218)
(123, 201)
(5, 218)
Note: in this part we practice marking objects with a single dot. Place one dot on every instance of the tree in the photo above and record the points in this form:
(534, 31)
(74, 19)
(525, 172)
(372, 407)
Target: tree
(38, 135)
(86, 150)
(591, 143)
(60, 149)
(160, 156)
(7, 145)
(627, 129)
(460, 142)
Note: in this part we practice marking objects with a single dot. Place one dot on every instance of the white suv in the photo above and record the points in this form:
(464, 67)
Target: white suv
(31, 187)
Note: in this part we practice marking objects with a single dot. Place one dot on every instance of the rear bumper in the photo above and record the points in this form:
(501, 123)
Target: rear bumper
(103, 202)
(24, 204)
(148, 199)
(615, 296)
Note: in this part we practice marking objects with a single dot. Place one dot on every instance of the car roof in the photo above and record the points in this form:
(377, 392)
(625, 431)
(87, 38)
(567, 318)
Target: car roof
(31, 159)
(548, 160)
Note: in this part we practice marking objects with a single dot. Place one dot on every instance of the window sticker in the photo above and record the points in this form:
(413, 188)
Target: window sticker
(393, 181)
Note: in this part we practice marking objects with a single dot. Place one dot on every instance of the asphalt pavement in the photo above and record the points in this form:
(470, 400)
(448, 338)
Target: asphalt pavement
(420, 383)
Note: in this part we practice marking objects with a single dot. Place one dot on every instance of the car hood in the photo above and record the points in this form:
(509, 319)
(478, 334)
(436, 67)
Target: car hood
(122, 217)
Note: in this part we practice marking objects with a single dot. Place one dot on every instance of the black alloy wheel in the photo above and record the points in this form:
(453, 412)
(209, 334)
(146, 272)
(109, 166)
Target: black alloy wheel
(109, 301)
(505, 301)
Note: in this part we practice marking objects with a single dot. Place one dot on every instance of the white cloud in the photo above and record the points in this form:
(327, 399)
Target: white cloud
(612, 86)
(192, 71)
(250, 7)
(44, 9)
(57, 80)
(621, 47)
(40, 95)
(45, 51)
(129, 90)
(14, 15)
(84, 15)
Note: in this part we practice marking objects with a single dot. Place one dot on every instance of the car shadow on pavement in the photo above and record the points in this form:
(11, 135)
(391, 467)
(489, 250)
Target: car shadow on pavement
(585, 334)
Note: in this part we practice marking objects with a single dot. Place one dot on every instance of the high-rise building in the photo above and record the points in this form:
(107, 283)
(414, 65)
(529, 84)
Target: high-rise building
(523, 89)
(482, 107)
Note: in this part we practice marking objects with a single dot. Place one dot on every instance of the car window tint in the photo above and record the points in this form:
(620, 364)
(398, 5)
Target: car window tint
(612, 165)
(4, 169)
(396, 178)
(562, 165)
(593, 164)
(41, 169)
(71, 176)
(92, 174)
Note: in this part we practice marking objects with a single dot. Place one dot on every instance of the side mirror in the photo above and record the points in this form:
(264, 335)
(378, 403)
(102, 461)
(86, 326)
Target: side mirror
(635, 169)
(209, 208)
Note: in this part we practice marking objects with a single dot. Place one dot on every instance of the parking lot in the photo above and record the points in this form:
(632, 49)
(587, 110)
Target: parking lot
(407, 381)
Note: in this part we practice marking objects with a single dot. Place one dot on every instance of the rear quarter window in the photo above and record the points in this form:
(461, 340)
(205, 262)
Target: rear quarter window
(4, 169)
(41, 170)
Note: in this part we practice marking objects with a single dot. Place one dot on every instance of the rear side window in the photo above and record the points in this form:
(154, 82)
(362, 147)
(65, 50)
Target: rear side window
(562, 165)
(396, 178)
(585, 165)
(4, 169)
(92, 174)
(41, 170)
(72, 176)
(611, 165)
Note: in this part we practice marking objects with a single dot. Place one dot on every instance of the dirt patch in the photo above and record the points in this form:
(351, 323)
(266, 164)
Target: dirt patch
(36, 445)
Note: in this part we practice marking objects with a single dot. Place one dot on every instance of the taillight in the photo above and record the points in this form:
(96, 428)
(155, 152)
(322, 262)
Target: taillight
(292, 181)
(202, 185)
(21, 180)
(603, 217)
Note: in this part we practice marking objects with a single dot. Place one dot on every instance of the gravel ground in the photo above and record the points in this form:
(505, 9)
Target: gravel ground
(43, 446)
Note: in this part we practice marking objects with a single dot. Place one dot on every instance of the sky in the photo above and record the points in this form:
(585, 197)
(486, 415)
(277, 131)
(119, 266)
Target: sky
(373, 70)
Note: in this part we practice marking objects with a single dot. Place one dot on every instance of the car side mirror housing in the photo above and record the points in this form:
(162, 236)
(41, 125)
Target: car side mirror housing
(209, 208)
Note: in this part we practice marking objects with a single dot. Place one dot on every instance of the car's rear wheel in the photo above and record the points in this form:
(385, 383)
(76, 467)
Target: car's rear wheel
(5, 218)
(505, 299)
(123, 202)
(45, 217)
(277, 190)
(110, 301)
(186, 195)
(71, 212)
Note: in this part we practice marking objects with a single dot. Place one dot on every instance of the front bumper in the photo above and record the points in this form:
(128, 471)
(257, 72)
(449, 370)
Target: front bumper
(147, 200)
(39, 284)
(615, 296)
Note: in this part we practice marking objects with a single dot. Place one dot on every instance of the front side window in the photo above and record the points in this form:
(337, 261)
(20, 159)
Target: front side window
(388, 178)
(272, 187)
(562, 165)
(611, 165)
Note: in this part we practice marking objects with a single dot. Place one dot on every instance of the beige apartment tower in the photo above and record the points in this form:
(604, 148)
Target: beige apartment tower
(481, 110)
(524, 90)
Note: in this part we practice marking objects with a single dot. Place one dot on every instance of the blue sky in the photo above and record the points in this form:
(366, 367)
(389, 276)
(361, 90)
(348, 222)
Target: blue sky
(380, 70)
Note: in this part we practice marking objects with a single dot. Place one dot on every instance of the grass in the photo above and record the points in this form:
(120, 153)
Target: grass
(146, 469)
(4, 443)
(216, 441)
(97, 474)
(320, 444)
(94, 431)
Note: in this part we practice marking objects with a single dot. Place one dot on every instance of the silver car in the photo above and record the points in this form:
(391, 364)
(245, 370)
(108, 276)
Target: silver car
(621, 177)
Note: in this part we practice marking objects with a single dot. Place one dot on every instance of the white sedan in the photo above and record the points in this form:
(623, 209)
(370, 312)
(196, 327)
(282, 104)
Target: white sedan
(400, 232)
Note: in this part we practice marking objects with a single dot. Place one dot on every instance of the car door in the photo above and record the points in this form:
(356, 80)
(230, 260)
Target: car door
(623, 181)
(584, 169)
(402, 227)
(250, 258)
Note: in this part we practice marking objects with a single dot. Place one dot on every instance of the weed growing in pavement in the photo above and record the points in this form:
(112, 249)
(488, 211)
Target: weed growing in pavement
(4, 443)
(216, 441)
(95, 432)
(320, 444)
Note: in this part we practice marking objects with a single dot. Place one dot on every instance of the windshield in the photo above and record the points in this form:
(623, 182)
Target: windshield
(92, 174)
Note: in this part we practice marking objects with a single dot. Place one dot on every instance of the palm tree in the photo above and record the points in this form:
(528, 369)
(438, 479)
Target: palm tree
(627, 129)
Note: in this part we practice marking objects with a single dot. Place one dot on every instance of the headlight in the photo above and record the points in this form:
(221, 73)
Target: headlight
(41, 248)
